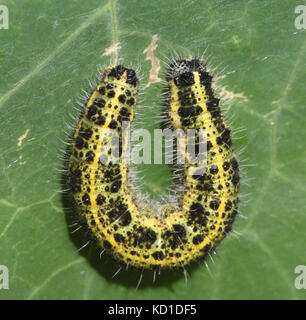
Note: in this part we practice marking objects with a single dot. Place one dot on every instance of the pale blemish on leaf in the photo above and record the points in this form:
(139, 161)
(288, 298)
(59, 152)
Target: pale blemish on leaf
(149, 51)
(114, 48)
(22, 137)
(21, 163)
(236, 39)
(229, 95)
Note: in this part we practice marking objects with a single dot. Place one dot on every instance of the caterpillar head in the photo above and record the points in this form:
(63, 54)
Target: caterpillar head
(179, 67)
(182, 72)
(122, 74)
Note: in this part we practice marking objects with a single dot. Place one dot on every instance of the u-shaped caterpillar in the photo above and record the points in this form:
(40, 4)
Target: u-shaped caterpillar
(107, 206)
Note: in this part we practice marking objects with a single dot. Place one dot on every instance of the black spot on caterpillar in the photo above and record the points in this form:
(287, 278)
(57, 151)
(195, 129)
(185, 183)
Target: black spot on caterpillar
(107, 206)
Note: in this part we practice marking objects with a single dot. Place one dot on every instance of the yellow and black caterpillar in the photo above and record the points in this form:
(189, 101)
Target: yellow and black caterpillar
(108, 210)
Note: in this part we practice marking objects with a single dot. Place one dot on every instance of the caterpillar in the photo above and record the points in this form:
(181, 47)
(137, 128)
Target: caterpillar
(134, 233)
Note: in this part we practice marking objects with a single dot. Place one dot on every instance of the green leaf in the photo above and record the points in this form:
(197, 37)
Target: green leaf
(48, 54)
